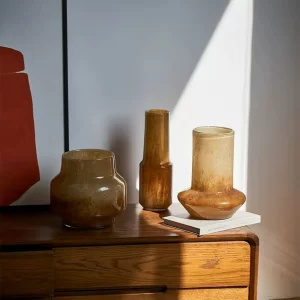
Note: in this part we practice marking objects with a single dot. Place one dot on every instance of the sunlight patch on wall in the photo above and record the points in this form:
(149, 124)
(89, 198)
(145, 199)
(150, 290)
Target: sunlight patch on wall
(216, 94)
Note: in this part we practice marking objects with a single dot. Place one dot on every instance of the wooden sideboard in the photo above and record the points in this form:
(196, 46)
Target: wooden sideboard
(137, 258)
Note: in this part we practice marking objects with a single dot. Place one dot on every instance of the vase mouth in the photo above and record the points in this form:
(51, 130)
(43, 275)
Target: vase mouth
(88, 154)
(157, 111)
(213, 131)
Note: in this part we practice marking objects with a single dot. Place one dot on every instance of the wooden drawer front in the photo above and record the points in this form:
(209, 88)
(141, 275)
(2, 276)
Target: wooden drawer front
(203, 294)
(27, 273)
(188, 265)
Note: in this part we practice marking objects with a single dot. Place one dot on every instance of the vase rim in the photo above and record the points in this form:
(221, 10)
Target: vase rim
(157, 111)
(213, 131)
(88, 154)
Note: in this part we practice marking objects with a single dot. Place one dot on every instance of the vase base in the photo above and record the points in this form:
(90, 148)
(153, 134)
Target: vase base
(155, 209)
(211, 206)
(98, 225)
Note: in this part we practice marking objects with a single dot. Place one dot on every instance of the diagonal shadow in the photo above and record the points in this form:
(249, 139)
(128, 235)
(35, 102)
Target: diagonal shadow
(126, 57)
(147, 66)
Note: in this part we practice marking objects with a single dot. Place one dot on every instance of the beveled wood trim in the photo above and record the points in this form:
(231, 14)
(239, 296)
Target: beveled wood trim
(191, 294)
(254, 272)
(25, 208)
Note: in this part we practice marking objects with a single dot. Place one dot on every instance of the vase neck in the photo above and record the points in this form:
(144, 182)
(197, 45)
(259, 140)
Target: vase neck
(212, 169)
(156, 136)
(89, 164)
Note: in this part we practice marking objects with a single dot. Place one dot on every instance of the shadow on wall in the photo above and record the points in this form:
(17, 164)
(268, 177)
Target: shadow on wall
(119, 133)
(272, 147)
(140, 55)
(125, 58)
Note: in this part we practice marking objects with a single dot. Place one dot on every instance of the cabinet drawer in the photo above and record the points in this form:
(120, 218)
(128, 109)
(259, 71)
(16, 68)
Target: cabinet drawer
(189, 265)
(201, 294)
(27, 273)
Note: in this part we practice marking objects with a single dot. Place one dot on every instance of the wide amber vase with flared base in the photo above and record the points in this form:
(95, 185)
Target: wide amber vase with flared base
(88, 192)
(212, 195)
(155, 182)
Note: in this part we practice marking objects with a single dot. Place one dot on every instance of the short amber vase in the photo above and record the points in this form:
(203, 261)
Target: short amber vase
(212, 195)
(88, 192)
(155, 182)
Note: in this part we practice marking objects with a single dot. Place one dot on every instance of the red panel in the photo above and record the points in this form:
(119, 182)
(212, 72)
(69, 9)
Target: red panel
(11, 61)
(18, 159)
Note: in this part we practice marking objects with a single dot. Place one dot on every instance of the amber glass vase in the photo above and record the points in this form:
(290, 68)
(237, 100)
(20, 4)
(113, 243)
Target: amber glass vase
(155, 191)
(212, 195)
(88, 192)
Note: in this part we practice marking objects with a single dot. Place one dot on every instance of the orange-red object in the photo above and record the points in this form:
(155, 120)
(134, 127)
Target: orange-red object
(18, 158)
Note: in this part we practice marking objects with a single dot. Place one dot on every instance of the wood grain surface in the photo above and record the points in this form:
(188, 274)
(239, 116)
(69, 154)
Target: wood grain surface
(197, 294)
(190, 265)
(36, 228)
(27, 273)
(137, 252)
(254, 272)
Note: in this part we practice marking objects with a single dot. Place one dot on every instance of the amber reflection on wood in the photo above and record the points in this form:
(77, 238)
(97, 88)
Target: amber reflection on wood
(18, 158)
(156, 169)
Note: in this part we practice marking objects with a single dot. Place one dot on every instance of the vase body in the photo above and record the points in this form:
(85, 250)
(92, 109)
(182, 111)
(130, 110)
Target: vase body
(155, 184)
(88, 192)
(212, 195)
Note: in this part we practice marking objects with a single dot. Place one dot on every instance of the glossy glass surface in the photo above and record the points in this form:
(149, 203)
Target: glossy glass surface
(155, 191)
(88, 192)
(212, 195)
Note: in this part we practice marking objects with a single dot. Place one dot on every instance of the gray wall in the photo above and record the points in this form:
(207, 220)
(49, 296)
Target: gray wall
(273, 135)
(129, 56)
(297, 134)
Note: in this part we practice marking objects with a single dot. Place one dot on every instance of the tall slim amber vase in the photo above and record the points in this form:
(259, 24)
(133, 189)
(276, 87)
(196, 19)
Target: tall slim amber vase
(156, 169)
(212, 195)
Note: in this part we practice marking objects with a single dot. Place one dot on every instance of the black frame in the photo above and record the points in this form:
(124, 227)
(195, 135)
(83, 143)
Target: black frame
(65, 73)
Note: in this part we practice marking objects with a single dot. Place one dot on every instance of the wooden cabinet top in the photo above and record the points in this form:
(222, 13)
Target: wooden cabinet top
(38, 227)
